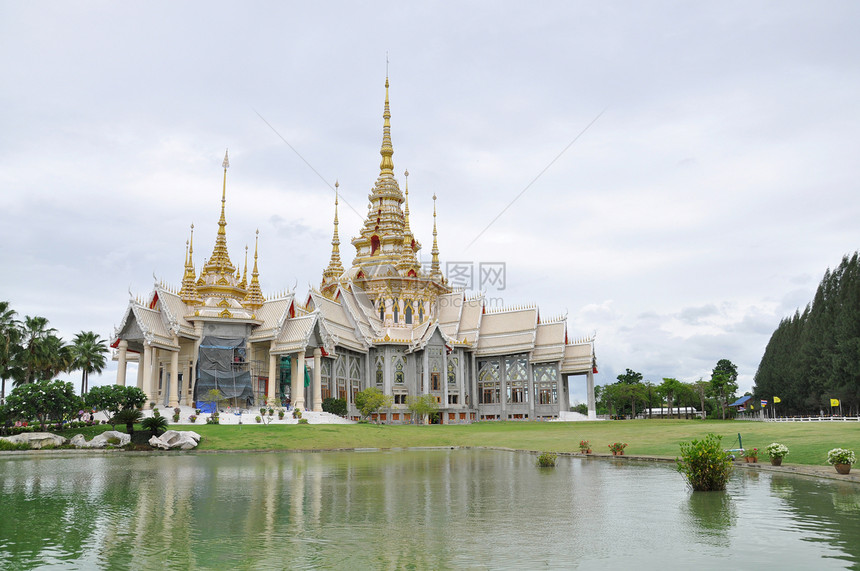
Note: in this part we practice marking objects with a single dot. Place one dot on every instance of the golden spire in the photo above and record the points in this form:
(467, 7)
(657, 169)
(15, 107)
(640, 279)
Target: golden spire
(406, 190)
(244, 283)
(335, 268)
(219, 262)
(254, 299)
(435, 271)
(387, 165)
(188, 293)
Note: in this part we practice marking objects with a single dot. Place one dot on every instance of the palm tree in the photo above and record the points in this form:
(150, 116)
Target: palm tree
(35, 332)
(10, 338)
(88, 350)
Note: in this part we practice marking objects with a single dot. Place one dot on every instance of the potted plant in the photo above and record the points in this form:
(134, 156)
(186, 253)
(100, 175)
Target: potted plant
(297, 413)
(752, 456)
(776, 452)
(280, 414)
(841, 459)
(584, 447)
(258, 419)
(618, 448)
(192, 418)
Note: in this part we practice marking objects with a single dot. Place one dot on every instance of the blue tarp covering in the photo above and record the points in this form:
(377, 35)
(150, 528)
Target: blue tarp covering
(741, 401)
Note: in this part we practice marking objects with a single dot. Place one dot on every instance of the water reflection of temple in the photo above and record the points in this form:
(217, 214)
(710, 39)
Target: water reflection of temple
(387, 321)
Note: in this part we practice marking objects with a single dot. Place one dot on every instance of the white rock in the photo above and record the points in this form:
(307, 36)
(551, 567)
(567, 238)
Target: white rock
(101, 441)
(78, 441)
(37, 439)
(173, 439)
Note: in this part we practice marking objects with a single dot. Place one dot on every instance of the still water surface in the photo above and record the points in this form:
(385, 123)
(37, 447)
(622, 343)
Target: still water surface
(431, 509)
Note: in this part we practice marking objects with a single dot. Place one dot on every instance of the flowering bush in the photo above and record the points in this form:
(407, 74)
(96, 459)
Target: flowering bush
(193, 418)
(618, 446)
(752, 453)
(841, 456)
(547, 459)
(776, 450)
(584, 446)
(705, 464)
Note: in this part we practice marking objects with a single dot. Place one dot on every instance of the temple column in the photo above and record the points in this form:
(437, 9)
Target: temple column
(444, 403)
(530, 387)
(299, 387)
(154, 371)
(146, 378)
(140, 371)
(592, 410)
(317, 406)
(273, 374)
(425, 373)
(121, 366)
(294, 373)
(174, 377)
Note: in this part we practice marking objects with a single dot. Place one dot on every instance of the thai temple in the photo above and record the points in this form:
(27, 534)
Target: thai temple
(387, 322)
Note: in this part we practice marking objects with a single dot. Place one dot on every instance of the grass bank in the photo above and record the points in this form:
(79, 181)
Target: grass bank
(808, 442)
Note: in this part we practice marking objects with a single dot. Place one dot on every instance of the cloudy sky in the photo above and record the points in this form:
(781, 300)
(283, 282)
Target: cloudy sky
(708, 187)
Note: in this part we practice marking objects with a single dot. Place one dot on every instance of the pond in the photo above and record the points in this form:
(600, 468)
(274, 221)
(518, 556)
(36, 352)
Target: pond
(416, 509)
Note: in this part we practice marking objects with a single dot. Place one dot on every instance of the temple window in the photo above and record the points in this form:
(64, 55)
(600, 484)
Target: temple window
(354, 376)
(488, 381)
(421, 313)
(396, 309)
(408, 314)
(452, 370)
(399, 376)
(380, 377)
(374, 244)
(340, 373)
(434, 381)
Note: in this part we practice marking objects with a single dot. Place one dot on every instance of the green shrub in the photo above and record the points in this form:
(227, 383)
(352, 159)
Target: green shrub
(303, 421)
(297, 413)
(6, 445)
(705, 464)
(334, 406)
(155, 424)
(547, 459)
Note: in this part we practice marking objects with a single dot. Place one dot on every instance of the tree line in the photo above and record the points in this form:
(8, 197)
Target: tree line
(32, 351)
(630, 395)
(814, 355)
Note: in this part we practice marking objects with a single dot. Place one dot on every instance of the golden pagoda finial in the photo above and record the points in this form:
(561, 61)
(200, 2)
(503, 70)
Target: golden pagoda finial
(254, 298)
(335, 268)
(244, 282)
(406, 190)
(435, 271)
(387, 165)
(188, 292)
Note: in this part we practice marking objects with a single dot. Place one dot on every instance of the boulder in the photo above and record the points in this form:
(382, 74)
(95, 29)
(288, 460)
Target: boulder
(78, 441)
(176, 440)
(37, 439)
(101, 441)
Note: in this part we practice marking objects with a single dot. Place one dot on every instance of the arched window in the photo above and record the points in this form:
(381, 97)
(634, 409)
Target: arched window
(421, 312)
(381, 310)
(374, 244)
(396, 309)
(408, 314)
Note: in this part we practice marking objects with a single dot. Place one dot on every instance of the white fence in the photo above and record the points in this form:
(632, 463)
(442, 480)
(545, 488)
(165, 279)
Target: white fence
(805, 419)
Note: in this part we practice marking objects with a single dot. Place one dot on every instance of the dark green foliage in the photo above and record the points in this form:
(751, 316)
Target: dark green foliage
(155, 424)
(129, 417)
(114, 398)
(6, 445)
(814, 355)
(705, 465)
(44, 401)
(547, 459)
(334, 406)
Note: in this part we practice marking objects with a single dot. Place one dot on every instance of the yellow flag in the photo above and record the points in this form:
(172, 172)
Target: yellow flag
(776, 400)
(834, 402)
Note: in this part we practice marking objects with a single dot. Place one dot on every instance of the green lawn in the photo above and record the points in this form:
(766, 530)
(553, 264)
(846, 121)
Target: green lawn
(808, 442)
